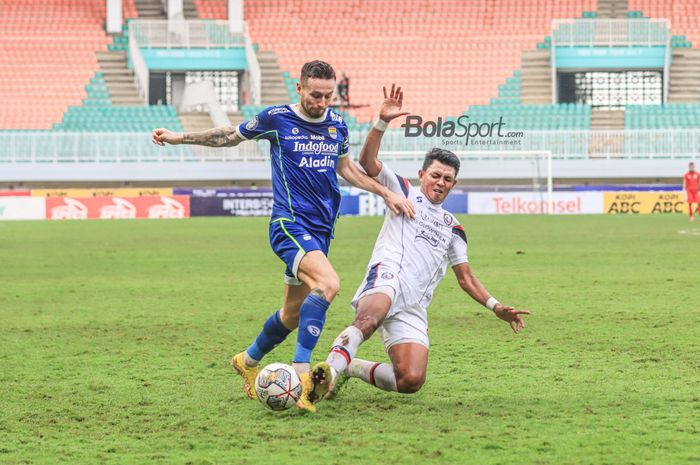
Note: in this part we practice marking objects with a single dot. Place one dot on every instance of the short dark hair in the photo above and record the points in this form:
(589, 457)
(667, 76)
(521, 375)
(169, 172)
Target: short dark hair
(443, 156)
(316, 69)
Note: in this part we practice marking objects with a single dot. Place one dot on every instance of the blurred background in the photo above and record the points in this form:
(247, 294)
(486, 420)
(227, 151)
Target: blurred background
(599, 101)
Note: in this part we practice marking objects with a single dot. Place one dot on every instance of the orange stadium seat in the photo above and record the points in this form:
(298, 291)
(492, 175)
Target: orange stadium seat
(684, 15)
(448, 54)
(47, 48)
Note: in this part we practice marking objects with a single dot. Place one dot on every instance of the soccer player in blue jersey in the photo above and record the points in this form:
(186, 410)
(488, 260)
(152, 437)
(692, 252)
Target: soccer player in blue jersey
(308, 148)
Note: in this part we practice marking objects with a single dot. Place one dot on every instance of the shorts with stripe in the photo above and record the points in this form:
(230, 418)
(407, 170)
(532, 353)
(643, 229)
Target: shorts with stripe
(290, 242)
(405, 322)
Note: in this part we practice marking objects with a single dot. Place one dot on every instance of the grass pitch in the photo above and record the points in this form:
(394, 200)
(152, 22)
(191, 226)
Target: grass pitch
(116, 337)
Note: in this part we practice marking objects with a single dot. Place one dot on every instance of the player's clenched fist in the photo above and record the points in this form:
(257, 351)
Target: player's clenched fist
(161, 136)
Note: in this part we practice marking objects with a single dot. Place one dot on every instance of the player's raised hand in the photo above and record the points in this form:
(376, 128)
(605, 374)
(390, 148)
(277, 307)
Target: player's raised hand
(391, 106)
(161, 136)
(399, 205)
(511, 316)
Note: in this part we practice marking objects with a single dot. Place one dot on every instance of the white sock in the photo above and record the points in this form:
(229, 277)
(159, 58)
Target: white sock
(301, 367)
(344, 348)
(249, 361)
(377, 374)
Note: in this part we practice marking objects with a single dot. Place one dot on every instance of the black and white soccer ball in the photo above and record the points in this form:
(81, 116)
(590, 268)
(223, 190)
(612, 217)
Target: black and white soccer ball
(278, 386)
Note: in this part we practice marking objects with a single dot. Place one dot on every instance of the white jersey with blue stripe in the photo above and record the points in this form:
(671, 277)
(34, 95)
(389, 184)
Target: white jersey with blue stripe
(304, 153)
(416, 251)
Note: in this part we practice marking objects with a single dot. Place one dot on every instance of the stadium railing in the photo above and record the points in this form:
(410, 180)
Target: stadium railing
(141, 73)
(600, 32)
(564, 144)
(128, 147)
(254, 74)
(184, 34)
(113, 147)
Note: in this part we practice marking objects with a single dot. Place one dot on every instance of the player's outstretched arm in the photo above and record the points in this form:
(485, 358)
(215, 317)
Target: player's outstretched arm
(396, 203)
(224, 136)
(472, 286)
(390, 110)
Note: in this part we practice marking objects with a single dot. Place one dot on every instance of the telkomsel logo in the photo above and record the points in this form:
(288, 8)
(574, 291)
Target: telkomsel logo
(465, 132)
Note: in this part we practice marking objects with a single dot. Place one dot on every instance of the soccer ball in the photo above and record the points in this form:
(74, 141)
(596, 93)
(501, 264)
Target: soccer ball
(278, 386)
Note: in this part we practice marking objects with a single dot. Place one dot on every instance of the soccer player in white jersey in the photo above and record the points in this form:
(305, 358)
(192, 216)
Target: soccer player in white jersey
(409, 260)
(309, 145)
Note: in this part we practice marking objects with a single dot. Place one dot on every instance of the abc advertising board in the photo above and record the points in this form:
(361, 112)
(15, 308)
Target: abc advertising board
(87, 208)
(634, 203)
(22, 208)
(532, 203)
(104, 192)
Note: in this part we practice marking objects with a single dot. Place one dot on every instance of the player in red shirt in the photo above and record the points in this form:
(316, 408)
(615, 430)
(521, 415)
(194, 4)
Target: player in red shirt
(691, 186)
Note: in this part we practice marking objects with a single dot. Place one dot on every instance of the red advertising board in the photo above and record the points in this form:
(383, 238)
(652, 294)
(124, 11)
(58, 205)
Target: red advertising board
(15, 193)
(89, 208)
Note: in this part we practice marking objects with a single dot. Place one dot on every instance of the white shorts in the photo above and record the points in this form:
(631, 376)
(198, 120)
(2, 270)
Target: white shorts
(405, 323)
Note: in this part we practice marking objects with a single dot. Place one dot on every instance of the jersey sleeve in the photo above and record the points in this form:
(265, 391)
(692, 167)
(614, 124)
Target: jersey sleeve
(393, 181)
(258, 126)
(344, 141)
(457, 253)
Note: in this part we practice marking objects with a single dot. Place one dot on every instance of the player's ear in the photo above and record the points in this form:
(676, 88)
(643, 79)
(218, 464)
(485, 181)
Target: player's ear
(421, 173)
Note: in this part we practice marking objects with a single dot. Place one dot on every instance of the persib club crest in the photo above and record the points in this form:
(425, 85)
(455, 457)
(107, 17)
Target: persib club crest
(252, 124)
(332, 132)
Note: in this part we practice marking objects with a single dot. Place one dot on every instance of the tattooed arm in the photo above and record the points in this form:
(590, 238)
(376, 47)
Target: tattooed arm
(224, 136)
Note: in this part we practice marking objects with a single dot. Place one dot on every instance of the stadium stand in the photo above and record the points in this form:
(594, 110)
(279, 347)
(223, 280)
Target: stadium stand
(684, 15)
(48, 55)
(670, 116)
(429, 52)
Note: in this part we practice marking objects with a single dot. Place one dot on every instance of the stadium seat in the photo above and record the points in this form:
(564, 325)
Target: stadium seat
(48, 54)
(445, 53)
(683, 14)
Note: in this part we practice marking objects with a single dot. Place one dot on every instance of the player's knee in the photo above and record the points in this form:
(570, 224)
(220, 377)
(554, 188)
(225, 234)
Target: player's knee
(329, 286)
(409, 381)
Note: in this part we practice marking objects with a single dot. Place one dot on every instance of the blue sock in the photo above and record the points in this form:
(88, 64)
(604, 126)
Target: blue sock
(272, 334)
(312, 316)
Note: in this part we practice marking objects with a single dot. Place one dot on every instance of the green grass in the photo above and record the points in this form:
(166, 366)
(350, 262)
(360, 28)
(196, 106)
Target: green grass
(115, 339)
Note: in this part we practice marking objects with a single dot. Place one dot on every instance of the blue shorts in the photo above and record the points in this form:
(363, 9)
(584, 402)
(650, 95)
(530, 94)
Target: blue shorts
(291, 242)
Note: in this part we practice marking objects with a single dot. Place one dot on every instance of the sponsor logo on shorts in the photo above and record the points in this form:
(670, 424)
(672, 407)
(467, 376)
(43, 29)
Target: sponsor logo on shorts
(252, 124)
(387, 275)
(314, 330)
(307, 237)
